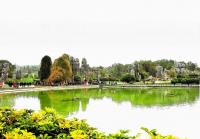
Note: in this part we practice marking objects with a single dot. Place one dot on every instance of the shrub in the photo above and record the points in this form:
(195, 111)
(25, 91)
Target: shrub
(154, 135)
(77, 79)
(128, 78)
(10, 81)
(185, 80)
(47, 124)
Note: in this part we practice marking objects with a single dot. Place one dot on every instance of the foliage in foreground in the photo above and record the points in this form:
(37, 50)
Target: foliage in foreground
(46, 124)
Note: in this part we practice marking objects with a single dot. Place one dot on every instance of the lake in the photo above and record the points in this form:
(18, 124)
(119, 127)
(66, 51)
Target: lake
(169, 110)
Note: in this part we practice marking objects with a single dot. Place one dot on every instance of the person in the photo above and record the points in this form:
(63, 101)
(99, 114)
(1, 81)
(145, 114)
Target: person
(14, 85)
(1, 84)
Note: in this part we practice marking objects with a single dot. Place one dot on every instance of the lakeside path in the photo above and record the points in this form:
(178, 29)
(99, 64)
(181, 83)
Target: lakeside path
(47, 88)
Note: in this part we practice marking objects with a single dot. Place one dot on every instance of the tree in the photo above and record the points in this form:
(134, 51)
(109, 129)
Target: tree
(172, 73)
(128, 78)
(191, 66)
(149, 67)
(143, 69)
(166, 64)
(75, 65)
(57, 75)
(63, 62)
(18, 74)
(84, 66)
(117, 70)
(45, 68)
(85, 69)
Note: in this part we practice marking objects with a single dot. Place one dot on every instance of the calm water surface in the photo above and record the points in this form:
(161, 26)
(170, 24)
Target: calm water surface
(169, 110)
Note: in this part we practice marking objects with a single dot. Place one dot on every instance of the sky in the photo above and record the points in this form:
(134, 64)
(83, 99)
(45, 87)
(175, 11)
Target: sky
(104, 32)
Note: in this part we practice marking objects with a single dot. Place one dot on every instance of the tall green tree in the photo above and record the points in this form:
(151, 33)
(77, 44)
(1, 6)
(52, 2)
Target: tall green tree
(45, 68)
(117, 70)
(145, 67)
(75, 65)
(18, 74)
(191, 66)
(85, 68)
(166, 64)
(84, 65)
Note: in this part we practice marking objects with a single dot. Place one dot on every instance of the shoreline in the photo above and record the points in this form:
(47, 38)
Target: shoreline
(48, 88)
(45, 88)
(152, 86)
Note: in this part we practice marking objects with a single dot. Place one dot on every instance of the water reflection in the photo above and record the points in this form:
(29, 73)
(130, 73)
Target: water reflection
(171, 110)
(32, 103)
(66, 102)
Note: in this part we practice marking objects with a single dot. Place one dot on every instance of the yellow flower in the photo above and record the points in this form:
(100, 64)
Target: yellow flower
(19, 134)
(50, 110)
(78, 134)
(19, 112)
(36, 116)
(1, 115)
(64, 124)
(1, 126)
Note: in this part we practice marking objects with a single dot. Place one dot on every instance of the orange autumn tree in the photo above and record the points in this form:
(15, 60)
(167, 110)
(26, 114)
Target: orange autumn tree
(57, 75)
(61, 70)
